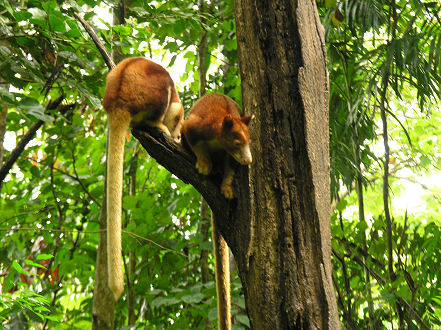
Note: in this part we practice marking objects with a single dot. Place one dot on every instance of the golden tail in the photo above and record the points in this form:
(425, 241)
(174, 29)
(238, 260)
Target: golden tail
(119, 121)
(222, 255)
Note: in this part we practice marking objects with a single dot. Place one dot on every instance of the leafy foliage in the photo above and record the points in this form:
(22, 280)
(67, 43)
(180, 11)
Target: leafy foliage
(385, 51)
(51, 199)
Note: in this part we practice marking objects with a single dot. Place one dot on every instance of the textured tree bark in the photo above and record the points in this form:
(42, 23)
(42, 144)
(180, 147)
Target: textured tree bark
(103, 301)
(3, 120)
(286, 271)
(279, 226)
(222, 255)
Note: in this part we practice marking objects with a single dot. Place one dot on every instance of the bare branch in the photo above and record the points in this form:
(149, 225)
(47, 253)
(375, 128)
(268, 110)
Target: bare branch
(153, 242)
(4, 170)
(81, 182)
(133, 235)
(106, 57)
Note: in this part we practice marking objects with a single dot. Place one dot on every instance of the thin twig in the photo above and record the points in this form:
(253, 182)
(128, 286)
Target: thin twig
(133, 235)
(60, 222)
(39, 211)
(153, 242)
(53, 230)
(81, 182)
(382, 281)
(73, 177)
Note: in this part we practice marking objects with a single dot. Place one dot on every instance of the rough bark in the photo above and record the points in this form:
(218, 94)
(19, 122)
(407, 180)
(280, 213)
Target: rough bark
(287, 273)
(279, 226)
(222, 255)
(103, 301)
(3, 119)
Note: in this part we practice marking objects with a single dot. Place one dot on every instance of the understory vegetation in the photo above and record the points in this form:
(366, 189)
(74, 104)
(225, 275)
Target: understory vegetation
(384, 62)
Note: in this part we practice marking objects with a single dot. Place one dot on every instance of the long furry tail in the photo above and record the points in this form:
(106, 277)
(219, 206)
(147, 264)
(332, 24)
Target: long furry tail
(119, 121)
(222, 278)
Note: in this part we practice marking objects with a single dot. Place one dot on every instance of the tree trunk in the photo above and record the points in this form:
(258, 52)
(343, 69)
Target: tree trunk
(103, 300)
(131, 268)
(279, 226)
(285, 264)
(3, 120)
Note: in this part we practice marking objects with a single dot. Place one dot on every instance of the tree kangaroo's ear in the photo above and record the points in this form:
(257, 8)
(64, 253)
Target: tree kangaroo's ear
(246, 120)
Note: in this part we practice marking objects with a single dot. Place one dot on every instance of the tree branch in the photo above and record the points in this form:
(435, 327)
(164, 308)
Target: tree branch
(76, 177)
(133, 235)
(4, 170)
(181, 163)
(106, 57)
(173, 156)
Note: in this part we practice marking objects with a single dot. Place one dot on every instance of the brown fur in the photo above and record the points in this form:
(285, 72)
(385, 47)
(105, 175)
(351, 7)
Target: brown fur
(138, 93)
(214, 123)
(214, 126)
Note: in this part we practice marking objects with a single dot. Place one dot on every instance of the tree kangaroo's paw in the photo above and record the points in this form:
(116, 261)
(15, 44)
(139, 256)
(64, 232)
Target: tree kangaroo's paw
(227, 190)
(203, 166)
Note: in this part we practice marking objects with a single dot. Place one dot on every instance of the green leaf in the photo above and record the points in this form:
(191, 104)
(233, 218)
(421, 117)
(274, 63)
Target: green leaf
(193, 299)
(425, 161)
(38, 16)
(240, 301)
(362, 226)
(34, 108)
(330, 3)
(17, 267)
(243, 319)
(342, 205)
(34, 264)
(212, 314)
(49, 6)
(41, 309)
(154, 292)
(5, 51)
(44, 256)
(230, 45)
(162, 301)
(130, 202)
(179, 27)
(35, 172)
(206, 246)
(196, 288)
(124, 30)
(57, 24)
(22, 15)
(73, 31)
(9, 281)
